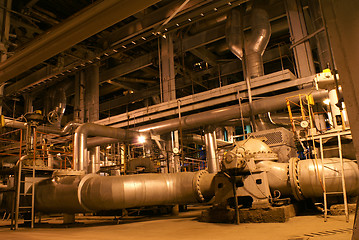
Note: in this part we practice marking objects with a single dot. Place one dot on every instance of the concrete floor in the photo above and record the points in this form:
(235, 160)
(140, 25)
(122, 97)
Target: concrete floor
(184, 226)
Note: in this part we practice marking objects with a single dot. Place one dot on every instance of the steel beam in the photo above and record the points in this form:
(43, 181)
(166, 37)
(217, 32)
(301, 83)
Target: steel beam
(168, 83)
(212, 97)
(225, 69)
(125, 68)
(205, 55)
(149, 21)
(91, 20)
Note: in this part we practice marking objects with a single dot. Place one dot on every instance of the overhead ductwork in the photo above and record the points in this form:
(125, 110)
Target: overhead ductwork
(250, 47)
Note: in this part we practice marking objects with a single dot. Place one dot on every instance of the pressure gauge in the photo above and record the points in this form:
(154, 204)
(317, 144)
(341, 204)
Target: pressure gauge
(304, 124)
(175, 150)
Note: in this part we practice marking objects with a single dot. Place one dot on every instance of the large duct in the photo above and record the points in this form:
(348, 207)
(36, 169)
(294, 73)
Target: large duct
(250, 47)
(73, 194)
(256, 43)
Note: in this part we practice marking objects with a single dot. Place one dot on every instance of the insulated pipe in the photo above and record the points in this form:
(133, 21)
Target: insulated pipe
(211, 148)
(198, 139)
(91, 129)
(91, 193)
(234, 32)
(94, 165)
(231, 112)
(249, 48)
(302, 178)
(256, 43)
(263, 122)
(22, 125)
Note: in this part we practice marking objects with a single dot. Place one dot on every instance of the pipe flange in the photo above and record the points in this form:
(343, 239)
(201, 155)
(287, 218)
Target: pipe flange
(294, 179)
(79, 189)
(196, 185)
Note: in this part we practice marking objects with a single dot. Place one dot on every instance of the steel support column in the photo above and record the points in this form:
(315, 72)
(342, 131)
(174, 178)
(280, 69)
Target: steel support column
(92, 97)
(302, 52)
(343, 23)
(79, 103)
(4, 28)
(167, 69)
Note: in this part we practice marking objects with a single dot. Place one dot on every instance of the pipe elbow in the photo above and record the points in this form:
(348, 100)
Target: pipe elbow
(234, 32)
(260, 33)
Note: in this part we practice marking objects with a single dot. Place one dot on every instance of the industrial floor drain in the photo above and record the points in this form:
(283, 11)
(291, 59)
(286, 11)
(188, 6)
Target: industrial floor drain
(321, 234)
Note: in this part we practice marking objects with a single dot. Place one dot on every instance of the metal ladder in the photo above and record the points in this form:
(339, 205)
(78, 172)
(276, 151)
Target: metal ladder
(341, 171)
(22, 205)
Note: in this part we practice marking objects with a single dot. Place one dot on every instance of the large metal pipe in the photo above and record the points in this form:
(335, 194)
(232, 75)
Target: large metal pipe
(305, 177)
(91, 129)
(231, 112)
(249, 48)
(72, 194)
(256, 43)
(198, 139)
(22, 125)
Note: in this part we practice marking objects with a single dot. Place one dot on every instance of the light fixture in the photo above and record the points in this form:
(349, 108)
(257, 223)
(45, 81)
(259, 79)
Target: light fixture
(326, 101)
(109, 147)
(141, 139)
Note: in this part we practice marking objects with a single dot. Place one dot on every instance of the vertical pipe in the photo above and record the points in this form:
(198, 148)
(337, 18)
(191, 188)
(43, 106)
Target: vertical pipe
(211, 148)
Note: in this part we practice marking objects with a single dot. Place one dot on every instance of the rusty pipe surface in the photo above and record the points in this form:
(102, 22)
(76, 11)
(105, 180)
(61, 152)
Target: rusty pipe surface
(91, 193)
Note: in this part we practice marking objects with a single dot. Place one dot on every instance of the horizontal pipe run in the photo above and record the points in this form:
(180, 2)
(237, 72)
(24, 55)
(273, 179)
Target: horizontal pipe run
(92, 193)
(227, 113)
(304, 178)
(22, 125)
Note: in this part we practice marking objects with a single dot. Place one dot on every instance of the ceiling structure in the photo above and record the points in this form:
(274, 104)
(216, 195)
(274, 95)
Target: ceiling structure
(51, 42)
